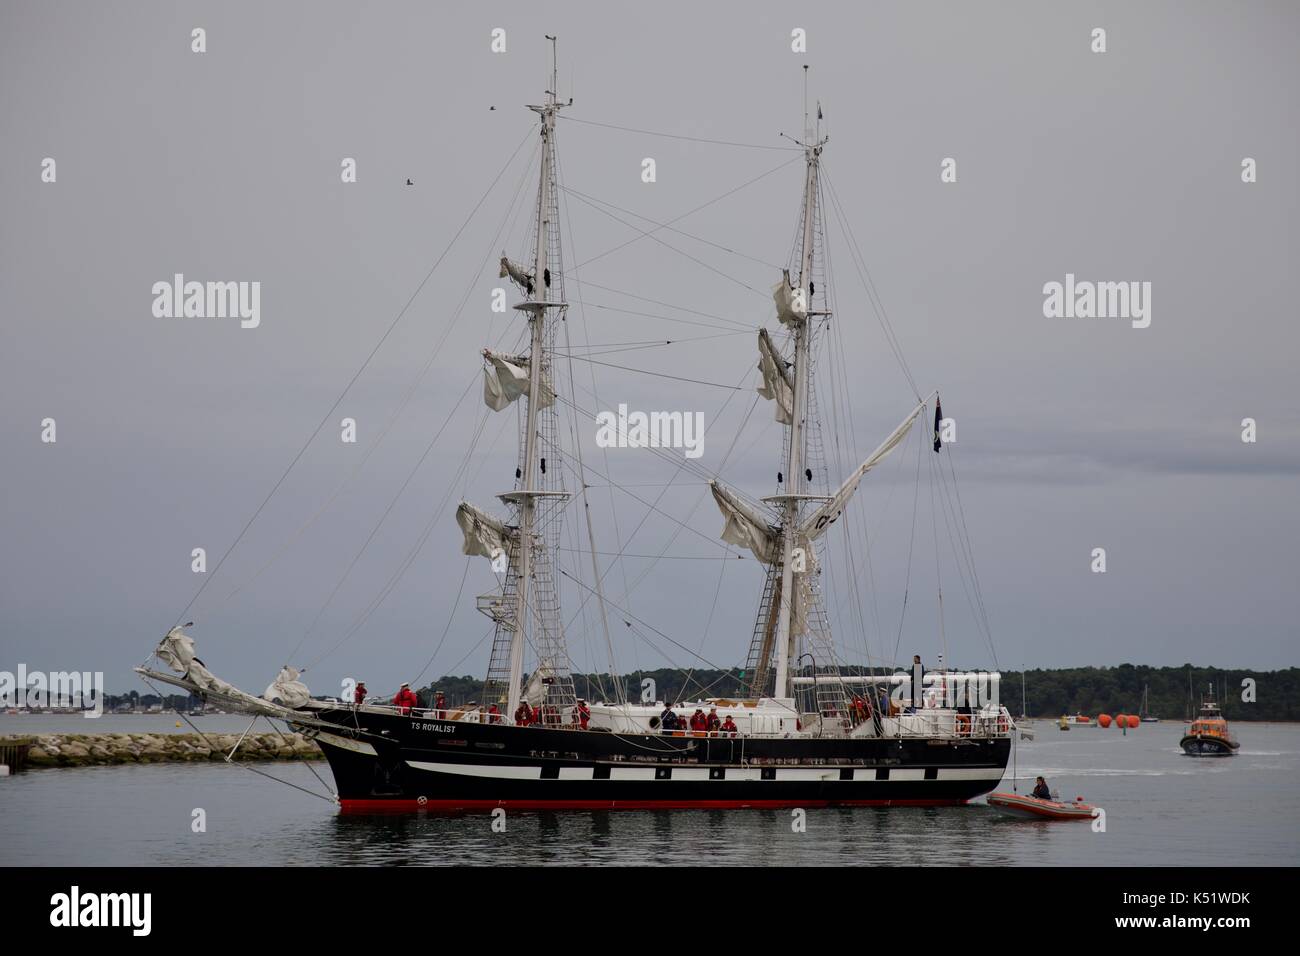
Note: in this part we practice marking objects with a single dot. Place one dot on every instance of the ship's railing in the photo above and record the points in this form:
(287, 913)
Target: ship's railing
(923, 722)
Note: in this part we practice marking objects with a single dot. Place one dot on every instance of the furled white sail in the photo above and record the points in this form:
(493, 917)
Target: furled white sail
(791, 302)
(177, 652)
(287, 689)
(484, 534)
(817, 522)
(505, 378)
(535, 692)
(776, 378)
(517, 273)
(746, 527)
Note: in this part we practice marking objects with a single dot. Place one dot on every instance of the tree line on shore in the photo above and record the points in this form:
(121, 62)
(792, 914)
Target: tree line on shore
(1174, 692)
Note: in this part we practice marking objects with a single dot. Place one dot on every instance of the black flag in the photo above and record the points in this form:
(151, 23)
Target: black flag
(938, 417)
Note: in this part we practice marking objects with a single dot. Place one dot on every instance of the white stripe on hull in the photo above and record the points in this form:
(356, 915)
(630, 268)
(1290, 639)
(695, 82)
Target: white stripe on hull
(500, 771)
(733, 774)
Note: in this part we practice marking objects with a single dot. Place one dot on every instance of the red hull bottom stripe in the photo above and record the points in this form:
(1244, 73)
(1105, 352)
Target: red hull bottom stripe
(407, 805)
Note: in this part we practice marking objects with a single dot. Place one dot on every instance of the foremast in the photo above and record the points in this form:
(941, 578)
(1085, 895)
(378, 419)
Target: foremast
(537, 308)
(526, 609)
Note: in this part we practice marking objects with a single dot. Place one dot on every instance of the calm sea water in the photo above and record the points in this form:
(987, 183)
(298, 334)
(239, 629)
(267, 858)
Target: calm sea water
(1161, 809)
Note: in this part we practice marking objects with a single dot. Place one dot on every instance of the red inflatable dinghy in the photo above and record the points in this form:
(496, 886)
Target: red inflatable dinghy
(1033, 808)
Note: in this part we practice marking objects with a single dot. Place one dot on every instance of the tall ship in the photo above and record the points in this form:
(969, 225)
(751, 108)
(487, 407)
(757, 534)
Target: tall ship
(807, 729)
(1208, 735)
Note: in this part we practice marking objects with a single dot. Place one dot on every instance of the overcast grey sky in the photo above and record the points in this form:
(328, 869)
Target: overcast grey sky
(1072, 433)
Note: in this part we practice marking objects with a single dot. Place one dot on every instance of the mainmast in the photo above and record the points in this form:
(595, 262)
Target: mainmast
(795, 458)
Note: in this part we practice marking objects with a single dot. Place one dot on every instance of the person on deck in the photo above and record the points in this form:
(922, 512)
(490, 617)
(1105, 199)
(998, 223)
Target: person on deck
(698, 721)
(582, 714)
(439, 703)
(714, 723)
(523, 716)
(1041, 790)
(406, 699)
(729, 726)
(668, 720)
(494, 715)
(359, 697)
(535, 717)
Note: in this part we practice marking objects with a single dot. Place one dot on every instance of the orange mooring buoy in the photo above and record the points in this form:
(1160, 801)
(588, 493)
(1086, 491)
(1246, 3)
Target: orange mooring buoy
(1133, 722)
(1103, 720)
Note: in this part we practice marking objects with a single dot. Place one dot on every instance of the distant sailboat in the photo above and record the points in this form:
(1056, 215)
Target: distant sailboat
(1026, 732)
(1144, 713)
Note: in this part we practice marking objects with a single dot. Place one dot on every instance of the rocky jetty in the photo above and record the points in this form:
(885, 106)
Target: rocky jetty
(82, 750)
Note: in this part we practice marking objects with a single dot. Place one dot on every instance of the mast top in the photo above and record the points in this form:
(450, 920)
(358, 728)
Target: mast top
(552, 104)
(813, 140)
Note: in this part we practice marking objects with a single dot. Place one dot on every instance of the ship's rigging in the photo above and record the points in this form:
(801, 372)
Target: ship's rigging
(792, 633)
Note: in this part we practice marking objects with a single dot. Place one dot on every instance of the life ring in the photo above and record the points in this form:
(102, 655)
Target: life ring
(963, 725)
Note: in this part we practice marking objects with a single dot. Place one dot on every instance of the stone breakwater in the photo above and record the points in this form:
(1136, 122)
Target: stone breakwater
(83, 750)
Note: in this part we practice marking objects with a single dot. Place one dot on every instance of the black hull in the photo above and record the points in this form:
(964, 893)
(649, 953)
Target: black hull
(400, 763)
(1198, 746)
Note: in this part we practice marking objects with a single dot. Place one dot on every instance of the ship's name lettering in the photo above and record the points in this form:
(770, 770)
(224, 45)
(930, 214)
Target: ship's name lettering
(438, 728)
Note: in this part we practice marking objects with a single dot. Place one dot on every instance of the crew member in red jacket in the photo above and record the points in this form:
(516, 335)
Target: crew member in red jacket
(523, 715)
(582, 714)
(360, 696)
(406, 699)
(729, 726)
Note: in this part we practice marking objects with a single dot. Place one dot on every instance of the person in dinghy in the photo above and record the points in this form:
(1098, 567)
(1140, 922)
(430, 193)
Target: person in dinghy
(1041, 790)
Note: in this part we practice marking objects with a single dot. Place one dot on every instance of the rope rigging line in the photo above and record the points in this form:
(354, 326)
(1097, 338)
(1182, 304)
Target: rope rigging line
(643, 343)
(408, 394)
(451, 616)
(582, 478)
(644, 371)
(460, 308)
(747, 330)
(873, 297)
(663, 225)
(595, 393)
(623, 610)
(681, 525)
(649, 234)
(356, 375)
(691, 139)
(735, 323)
